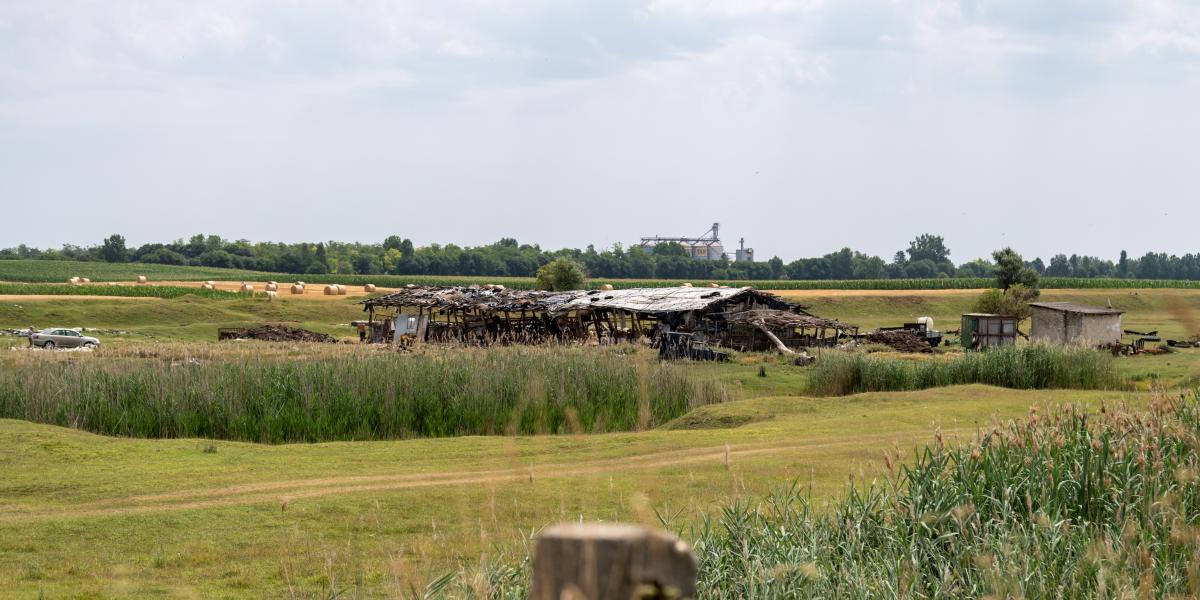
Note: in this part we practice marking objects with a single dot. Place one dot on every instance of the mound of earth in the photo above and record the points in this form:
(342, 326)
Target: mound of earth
(903, 341)
(275, 333)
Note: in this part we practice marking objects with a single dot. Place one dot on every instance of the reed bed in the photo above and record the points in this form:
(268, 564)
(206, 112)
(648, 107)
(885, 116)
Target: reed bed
(1029, 366)
(353, 395)
(1068, 503)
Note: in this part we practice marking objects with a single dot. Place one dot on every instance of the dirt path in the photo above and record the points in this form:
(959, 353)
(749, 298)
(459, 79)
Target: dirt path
(283, 492)
(43, 297)
(871, 293)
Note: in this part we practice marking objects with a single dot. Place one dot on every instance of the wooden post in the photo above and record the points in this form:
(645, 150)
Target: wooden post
(611, 561)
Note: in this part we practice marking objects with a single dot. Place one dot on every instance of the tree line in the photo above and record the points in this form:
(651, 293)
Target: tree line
(926, 257)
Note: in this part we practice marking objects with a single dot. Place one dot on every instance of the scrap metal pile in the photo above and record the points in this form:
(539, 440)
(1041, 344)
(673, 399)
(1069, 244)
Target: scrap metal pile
(897, 339)
(275, 333)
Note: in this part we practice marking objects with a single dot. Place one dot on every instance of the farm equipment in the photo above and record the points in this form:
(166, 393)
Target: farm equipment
(1141, 338)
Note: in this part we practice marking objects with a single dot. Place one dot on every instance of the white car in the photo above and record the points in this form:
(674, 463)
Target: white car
(62, 338)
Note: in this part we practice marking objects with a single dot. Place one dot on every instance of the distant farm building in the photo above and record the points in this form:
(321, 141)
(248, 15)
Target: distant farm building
(482, 315)
(1075, 324)
(706, 247)
(983, 330)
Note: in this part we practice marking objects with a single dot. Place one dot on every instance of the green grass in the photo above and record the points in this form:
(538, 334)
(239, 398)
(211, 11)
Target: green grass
(1027, 366)
(137, 518)
(186, 318)
(46, 271)
(122, 291)
(357, 396)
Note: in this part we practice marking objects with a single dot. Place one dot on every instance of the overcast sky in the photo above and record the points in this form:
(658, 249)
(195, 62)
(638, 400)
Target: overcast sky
(802, 125)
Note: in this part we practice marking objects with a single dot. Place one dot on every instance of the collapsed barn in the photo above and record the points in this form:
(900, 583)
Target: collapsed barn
(739, 318)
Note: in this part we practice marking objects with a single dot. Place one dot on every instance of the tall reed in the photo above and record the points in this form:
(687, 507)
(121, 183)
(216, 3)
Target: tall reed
(355, 396)
(1069, 504)
(1029, 366)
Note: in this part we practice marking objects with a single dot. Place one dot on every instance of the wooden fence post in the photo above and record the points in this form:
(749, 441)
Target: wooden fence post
(609, 561)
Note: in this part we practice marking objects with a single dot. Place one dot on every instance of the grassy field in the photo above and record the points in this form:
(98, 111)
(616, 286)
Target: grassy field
(43, 271)
(84, 515)
(93, 516)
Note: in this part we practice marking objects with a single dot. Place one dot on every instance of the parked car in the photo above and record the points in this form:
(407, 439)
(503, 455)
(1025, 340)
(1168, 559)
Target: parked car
(62, 338)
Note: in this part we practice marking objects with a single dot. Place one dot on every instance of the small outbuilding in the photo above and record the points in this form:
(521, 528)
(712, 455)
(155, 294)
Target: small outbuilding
(984, 330)
(1075, 324)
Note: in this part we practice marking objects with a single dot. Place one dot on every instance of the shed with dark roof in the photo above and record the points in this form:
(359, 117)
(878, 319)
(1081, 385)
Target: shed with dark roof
(1075, 324)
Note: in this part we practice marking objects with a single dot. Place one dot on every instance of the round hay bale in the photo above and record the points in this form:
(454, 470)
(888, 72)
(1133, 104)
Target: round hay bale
(246, 288)
(714, 285)
(272, 286)
(369, 288)
(297, 289)
(301, 283)
(274, 283)
(342, 290)
(331, 290)
(112, 283)
(271, 295)
(208, 286)
(606, 287)
(211, 282)
(685, 285)
(73, 281)
(84, 280)
(141, 279)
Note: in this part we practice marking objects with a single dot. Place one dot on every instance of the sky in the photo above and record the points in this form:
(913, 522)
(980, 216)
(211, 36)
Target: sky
(801, 125)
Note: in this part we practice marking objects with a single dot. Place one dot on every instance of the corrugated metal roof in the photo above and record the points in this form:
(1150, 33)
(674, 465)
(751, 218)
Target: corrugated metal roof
(1077, 308)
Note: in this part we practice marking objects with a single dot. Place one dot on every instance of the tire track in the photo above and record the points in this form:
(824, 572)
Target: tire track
(276, 492)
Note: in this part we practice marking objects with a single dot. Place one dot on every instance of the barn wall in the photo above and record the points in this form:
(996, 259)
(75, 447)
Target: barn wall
(1048, 326)
(1079, 329)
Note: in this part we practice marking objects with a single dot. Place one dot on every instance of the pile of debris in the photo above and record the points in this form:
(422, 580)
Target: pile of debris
(275, 333)
(898, 339)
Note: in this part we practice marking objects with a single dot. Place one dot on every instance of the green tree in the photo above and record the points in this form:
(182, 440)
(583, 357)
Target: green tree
(1013, 302)
(929, 247)
(1011, 270)
(560, 274)
(114, 250)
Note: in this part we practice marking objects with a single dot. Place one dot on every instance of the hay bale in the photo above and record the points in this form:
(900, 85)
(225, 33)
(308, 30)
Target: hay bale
(297, 289)
(606, 287)
(301, 283)
(713, 285)
(211, 282)
(331, 290)
(685, 285)
(84, 280)
(272, 286)
(141, 279)
(246, 288)
(341, 289)
(271, 295)
(208, 286)
(73, 281)
(369, 288)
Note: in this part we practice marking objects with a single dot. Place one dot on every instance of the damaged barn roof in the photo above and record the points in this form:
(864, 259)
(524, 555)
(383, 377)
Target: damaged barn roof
(659, 300)
(781, 319)
(635, 300)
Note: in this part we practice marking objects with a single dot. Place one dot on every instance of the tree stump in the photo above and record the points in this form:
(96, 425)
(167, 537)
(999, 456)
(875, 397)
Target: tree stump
(608, 561)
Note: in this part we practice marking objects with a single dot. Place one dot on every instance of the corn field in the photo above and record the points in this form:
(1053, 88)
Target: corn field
(124, 291)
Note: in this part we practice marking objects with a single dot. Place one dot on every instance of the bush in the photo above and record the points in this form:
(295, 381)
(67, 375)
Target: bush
(560, 275)
(1030, 366)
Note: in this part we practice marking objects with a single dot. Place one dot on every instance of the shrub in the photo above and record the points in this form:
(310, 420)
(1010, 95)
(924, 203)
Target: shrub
(1030, 366)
